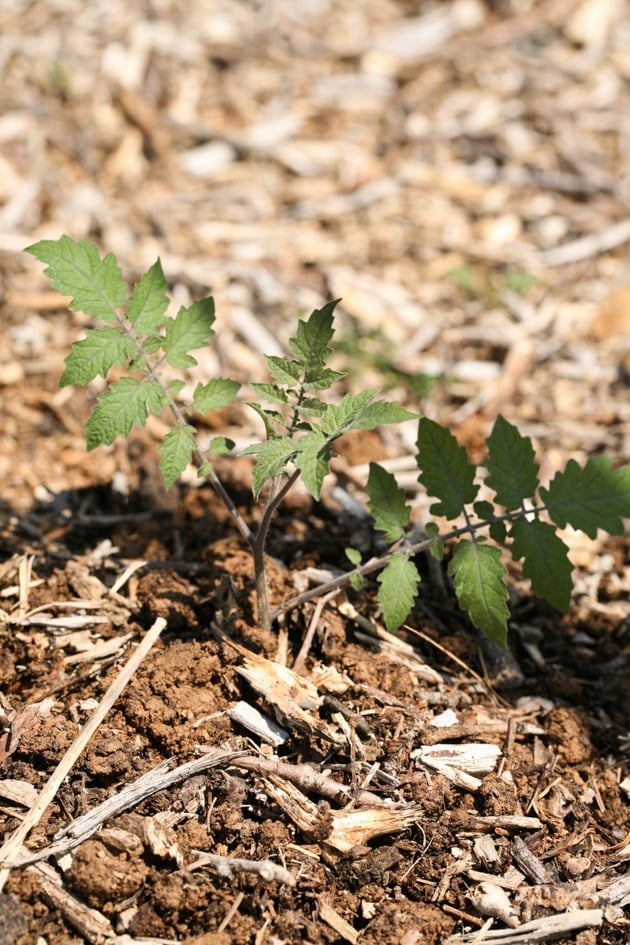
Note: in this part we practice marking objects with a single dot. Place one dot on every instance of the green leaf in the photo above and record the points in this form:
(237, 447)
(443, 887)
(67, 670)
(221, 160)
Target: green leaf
(446, 472)
(215, 394)
(479, 578)
(353, 555)
(219, 445)
(282, 370)
(387, 503)
(76, 269)
(191, 328)
(176, 451)
(546, 561)
(310, 346)
(271, 392)
(271, 460)
(588, 498)
(313, 460)
(175, 387)
(484, 511)
(361, 412)
(498, 532)
(436, 546)
(126, 402)
(511, 464)
(149, 302)
(96, 354)
(321, 378)
(273, 421)
(399, 582)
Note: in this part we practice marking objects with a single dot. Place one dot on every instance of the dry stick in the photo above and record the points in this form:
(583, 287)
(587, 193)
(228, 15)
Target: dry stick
(310, 633)
(160, 778)
(588, 246)
(48, 792)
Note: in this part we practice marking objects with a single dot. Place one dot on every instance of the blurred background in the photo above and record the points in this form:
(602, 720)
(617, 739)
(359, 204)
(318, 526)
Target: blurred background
(458, 172)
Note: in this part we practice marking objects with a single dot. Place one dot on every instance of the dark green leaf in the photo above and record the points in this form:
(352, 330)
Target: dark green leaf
(479, 579)
(271, 392)
(282, 370)
(588, 498)
(387, 503)
(399, 582)
(511, 464)
(546, 561)
(313, 460)
(271, 460)
(446, 472)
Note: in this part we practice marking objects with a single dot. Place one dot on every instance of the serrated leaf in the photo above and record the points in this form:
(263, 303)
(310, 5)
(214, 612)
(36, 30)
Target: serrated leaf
(387, 503)
(310, 346)
(399, 582)
(479, 579)
(215, 394)
(588, 498)
(321, 378)
(272, 420)
(219, 445)
(283, 370)
(95, 354)
(176, 451)
(76, 269)
(271, 392)
(271, 458)
(149, 302)
(311, 406)
(512, 465)
(313, 460)
(361, 412)
(190, 329)
(126, 402)
(545, 561)
(446, 472)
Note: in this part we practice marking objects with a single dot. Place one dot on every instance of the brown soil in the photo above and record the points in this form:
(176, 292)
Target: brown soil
(350, 830)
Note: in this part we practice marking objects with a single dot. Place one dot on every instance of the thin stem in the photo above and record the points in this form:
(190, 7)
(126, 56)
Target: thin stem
(378, 563)
(276, 496)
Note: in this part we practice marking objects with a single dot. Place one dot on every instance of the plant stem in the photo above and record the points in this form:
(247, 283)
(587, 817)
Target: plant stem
(258, 548)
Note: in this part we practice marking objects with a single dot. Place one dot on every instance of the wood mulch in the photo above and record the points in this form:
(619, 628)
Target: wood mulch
(459, 173)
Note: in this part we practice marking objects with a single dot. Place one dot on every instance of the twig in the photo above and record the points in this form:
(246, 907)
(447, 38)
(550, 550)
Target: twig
(310, 633)
(588, 246)
(228, 866)
(158, 779)
(48, 792)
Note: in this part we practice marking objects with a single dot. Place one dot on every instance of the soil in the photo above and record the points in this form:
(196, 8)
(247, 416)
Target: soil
(344, 819)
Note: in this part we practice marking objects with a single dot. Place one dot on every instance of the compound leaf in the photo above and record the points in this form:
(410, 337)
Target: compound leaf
(479, 578)
(283, 370)
(446, 472)
(271, 458)
(176, 451)
(313, 460)
(590, 497)
(76, 269)
(387, 503)
(96, 354)
(271, 392)
(215, 394)
(190, 329)
(310, 346)
(545, 561)
(399, 582)
(126, 402)
(511, 464)
(148, 304)
(361, 412)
